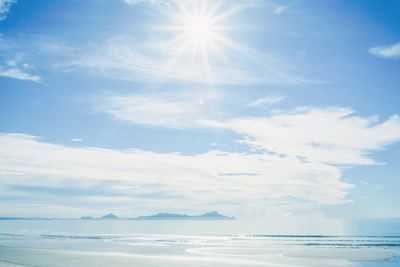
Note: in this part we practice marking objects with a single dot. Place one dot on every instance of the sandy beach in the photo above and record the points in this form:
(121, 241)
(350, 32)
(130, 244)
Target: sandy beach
(220, 256)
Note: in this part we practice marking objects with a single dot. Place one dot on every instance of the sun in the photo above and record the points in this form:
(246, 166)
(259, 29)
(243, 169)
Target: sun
(198, 32)
(199, 29)
(199, 25)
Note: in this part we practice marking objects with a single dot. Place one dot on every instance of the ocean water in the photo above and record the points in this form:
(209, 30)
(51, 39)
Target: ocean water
(182, 243)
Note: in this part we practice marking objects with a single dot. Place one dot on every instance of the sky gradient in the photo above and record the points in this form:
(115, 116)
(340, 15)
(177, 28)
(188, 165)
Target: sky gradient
(257, 109)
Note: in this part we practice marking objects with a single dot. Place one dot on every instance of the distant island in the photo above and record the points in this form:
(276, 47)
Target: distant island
(109, 216)
(166, 216)
(159, 216)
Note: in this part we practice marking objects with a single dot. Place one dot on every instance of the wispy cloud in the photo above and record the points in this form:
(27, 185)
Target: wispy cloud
(389, 51)
(158, 2)
(161, 61)
(176, 55)
(19, 74)
(279, 10)
(16, 68)
(171, 3)
(331, 135)
(266, 101)
(5, 6)
(173, 110)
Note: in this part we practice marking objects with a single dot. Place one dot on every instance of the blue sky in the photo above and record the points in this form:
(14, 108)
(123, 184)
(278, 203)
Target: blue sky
(253, 108)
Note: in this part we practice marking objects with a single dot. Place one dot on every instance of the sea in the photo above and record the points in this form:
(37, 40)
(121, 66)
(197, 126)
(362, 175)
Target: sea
(53, 243)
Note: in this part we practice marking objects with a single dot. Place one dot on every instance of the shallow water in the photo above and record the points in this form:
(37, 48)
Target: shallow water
(177, 243)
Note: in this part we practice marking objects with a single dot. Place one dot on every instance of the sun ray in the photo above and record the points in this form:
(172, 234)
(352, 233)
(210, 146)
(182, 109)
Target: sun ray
(228, 13)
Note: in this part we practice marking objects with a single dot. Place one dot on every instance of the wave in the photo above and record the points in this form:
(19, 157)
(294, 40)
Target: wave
(256, 241)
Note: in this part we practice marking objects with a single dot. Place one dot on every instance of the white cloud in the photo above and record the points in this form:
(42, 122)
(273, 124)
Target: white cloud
(391, 51)
(212, 177)
(76, 139)
(297, 162)
(279, 10)
(266, 101)
(5, 6)
(179, 110)
(329, 135)
(19, 74)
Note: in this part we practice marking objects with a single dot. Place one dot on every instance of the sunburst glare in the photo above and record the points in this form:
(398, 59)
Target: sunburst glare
(200, 29)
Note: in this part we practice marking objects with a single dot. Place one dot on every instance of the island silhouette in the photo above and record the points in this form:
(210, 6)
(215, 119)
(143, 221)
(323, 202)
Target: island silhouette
(213, 215)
